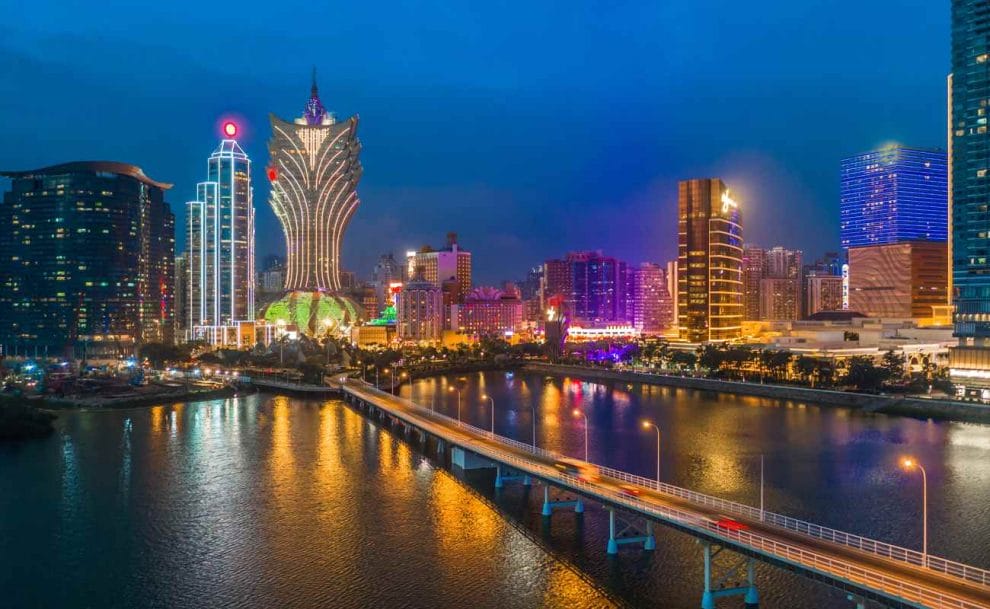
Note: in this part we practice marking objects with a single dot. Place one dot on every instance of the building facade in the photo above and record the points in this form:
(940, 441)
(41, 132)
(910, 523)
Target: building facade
(780, 288)
(598, 288)
(709, 247)
(450, 264)
(649, 306)
(488, 312)
(900, 280)
(893, 194)
(314, 172)
(419, 311)
(822, 293)
(754, 270)
(220, 241)
(969, 143)
(87, 255)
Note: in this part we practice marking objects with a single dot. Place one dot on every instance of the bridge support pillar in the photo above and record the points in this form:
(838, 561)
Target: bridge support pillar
(715, 591)
(501, 479)
(550, 506)
(615, 538)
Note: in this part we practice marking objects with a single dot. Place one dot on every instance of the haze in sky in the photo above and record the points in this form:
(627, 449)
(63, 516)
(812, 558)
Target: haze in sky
(529, 128)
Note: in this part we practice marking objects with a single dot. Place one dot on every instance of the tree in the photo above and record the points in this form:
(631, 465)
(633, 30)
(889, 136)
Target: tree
(863, 374)
(893, 363)
(806, 368)
(684, 359)
(711, 357)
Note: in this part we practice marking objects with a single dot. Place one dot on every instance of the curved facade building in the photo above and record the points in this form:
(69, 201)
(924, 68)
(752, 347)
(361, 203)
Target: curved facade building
(86, 260)
(314, 172)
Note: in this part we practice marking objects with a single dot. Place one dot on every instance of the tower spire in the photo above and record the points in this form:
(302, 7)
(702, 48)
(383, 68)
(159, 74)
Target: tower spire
(314, 92)
(315, 112)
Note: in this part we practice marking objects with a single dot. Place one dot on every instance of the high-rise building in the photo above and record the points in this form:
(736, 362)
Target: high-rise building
(181, 299)
(672, 289)
(419, 310)
(557, 281)
(87, 255)
(822, 293)
(780, 288)
(899, 280)
(271, 278)
(829, 265)
(314, 173)
(893, 194)
(754, 270)
(220, 243)
(648, 305)
(969, 143)
(709, 263)
(598, 288)
(448, 264)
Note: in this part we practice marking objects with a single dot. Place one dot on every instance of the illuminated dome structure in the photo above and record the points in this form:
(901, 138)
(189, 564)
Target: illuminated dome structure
(314, 313)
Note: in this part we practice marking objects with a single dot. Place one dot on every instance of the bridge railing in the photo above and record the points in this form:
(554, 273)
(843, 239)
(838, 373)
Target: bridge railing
(864, 544)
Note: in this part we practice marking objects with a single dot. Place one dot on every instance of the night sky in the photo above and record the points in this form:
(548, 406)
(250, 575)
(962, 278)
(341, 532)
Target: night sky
(530, 128)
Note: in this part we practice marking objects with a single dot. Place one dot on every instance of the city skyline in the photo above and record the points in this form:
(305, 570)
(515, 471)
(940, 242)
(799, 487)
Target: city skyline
(445, 177)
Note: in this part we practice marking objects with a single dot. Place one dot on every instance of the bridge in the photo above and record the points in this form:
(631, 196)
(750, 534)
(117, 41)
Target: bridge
(867, 569)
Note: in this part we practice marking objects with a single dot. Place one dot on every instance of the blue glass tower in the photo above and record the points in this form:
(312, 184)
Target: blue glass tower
(894, 194)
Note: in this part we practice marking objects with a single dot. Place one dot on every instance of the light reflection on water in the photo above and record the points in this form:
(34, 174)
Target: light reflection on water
(262, 502)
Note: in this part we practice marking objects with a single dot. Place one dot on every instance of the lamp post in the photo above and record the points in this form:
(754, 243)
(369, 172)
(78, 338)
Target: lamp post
(458, 402)
(492, 400)
(910, 464)
(578, 413)
(647, 425)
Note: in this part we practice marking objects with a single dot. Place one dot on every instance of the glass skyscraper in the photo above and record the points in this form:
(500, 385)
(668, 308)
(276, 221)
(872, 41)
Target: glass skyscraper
(969, 144)
(221, 241)
(894, 194)
(86, 260)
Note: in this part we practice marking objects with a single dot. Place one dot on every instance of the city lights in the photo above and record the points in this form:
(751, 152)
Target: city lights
(230, 129)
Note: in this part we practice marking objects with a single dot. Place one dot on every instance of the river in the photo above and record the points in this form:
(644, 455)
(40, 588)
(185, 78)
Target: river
(265, 501)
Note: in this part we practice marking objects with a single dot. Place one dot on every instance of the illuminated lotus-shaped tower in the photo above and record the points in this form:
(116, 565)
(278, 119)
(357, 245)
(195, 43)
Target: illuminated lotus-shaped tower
(314, 172)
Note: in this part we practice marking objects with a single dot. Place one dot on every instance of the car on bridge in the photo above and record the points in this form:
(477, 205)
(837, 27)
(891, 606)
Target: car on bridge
(581, 470)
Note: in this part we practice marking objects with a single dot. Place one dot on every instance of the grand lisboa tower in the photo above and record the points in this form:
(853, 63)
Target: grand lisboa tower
(314, 171)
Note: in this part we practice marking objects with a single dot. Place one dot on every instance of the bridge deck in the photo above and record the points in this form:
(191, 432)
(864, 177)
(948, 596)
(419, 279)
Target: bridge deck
(878, 576)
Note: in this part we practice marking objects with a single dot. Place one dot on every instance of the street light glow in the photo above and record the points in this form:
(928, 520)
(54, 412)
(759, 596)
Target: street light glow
(908, 463)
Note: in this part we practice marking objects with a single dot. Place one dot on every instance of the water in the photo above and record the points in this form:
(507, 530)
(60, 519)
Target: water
(256, 502)
(276, 502)
(831, 466)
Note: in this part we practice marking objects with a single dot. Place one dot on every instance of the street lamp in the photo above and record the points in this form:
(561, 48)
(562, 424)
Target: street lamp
(485, 396)
(910, 464)
(647, 425)
(577, 413)
(458, 402)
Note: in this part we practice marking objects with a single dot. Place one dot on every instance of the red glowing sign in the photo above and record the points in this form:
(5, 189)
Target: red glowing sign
(229, 129)
(272, 174)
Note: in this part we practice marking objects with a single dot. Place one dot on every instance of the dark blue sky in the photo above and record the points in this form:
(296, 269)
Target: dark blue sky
(528, 127)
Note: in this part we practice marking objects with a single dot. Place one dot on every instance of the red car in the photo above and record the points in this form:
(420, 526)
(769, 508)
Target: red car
(724, 522)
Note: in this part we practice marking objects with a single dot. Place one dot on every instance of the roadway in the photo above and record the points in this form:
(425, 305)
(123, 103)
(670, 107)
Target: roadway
(892, 578)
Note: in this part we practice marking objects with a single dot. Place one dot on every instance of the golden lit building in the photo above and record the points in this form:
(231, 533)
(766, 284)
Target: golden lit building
(709, 263)
(899, 280)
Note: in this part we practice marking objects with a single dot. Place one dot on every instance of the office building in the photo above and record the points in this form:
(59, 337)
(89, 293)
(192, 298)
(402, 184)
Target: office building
(450, 264)
(672, 290)
(598, 288)
(181, 298)
(557, 282)
(893, 194)
(829, 265)
(314, 172)
(220, 243)
(271, 278)
(419, 311)
(899, 280)
(87, 255)
(709, 263)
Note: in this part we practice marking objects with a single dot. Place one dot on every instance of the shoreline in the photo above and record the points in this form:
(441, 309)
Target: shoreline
(63, 404)
(891, 405)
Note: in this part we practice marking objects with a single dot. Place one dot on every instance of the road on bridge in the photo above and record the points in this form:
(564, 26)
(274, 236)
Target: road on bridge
(896, 577)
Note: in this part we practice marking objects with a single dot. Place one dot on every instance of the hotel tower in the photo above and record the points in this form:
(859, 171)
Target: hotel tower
(314, 172)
